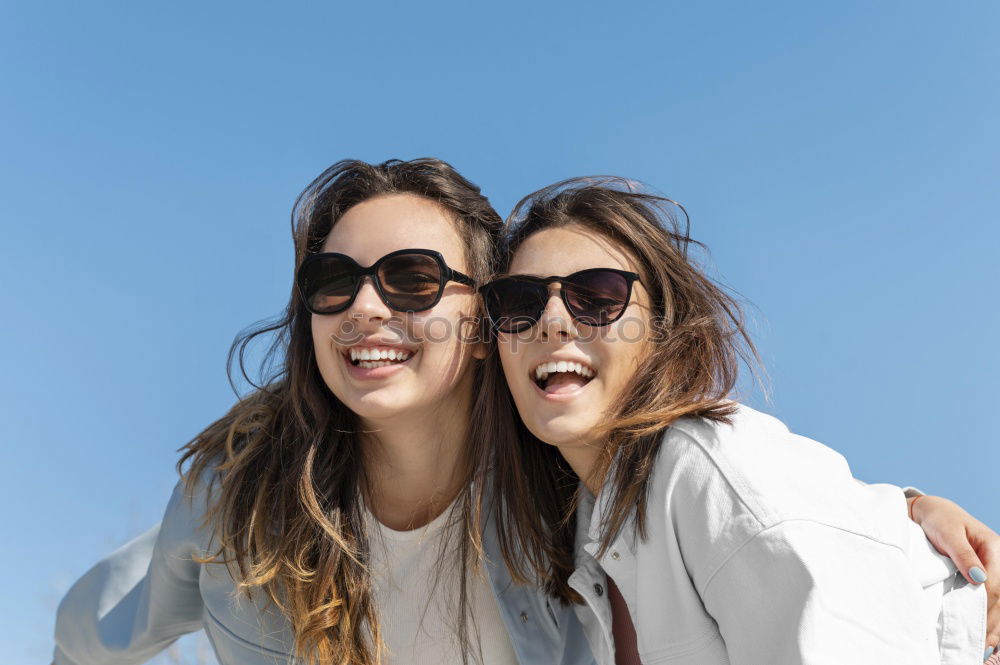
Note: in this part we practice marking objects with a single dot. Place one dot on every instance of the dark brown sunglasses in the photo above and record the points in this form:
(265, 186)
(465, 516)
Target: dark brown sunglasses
(594, 297)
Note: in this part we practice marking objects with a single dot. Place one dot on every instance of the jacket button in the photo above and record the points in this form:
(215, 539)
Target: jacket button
(524, 617)
(598, 589)
(616, 555)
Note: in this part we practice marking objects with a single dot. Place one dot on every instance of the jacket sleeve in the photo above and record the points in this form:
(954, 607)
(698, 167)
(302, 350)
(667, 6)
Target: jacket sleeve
(805, 593)
(139, 599)
(908, 491)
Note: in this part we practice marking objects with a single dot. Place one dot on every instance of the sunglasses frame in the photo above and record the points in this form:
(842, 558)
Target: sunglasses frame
(630, 279)
(448, 274)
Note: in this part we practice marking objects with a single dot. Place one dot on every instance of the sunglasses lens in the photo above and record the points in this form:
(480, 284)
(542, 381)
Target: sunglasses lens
(411, 282)
(515, 304)
(597, 297)
(327, 284)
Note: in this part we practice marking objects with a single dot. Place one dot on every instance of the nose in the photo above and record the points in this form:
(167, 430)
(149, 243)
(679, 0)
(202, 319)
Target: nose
(555, 321)
(368, 306)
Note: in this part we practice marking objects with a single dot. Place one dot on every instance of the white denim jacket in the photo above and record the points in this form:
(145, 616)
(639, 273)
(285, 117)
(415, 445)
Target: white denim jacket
(762, 549)
(140, 598)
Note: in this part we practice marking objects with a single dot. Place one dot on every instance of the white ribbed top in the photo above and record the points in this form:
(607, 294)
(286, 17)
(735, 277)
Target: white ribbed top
(417, 598)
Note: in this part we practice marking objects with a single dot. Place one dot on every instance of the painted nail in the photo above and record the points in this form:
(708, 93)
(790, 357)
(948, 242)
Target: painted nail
(977, 574)
(989, 652)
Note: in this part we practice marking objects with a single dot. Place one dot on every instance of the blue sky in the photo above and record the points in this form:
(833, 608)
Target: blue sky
(839, 159)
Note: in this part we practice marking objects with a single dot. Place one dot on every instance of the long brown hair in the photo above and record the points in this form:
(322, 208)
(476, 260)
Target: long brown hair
(287, 457)
(698, 340)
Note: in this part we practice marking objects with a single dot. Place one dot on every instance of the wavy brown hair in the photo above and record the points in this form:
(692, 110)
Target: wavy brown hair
(697, 343)
(288, 514)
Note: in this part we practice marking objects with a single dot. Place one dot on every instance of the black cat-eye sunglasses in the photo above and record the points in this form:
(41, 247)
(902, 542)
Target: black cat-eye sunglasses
(407, 280)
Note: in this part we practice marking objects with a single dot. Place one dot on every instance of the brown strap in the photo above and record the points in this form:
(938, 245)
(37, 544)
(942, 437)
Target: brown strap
(626, 647)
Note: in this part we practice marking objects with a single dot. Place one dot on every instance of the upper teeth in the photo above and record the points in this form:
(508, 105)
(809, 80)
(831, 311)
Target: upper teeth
(542, 371)
(379, 354)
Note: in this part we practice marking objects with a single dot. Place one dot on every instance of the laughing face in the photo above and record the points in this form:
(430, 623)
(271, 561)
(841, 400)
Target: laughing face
(386, 365)
(564, 375)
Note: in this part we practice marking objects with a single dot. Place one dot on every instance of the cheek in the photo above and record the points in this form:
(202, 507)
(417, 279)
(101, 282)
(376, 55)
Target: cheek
(324, 351)
(435, 330)
(320, 336)
(442, 334)
(330, 330)
(446, 324)
(632, 331)
(511, 358)
(626, 360)
(623, 353)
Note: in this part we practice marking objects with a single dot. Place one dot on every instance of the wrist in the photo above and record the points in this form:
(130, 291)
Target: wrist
(913, 510)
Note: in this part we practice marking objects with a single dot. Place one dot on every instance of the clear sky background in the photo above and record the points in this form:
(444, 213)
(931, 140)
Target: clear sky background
(839, 159)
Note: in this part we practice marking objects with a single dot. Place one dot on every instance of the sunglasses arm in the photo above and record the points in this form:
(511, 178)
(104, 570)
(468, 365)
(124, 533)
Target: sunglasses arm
(461, 278)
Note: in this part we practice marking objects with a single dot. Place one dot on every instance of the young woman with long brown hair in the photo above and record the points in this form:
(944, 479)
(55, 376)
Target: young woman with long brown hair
(690, 529)
(331, 512)
(335, 509)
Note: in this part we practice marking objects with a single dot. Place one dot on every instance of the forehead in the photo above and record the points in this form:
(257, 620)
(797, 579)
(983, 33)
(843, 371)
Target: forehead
(373, 228)
(567, 249)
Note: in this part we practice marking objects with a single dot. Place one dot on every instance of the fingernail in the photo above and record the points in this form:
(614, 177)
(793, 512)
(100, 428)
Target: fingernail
(977, 574)
(989, 652)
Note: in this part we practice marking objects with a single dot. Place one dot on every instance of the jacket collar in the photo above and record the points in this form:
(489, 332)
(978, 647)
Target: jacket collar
(591, 513)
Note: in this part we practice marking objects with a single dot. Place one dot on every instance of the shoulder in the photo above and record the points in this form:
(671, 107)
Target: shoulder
(717, 485)
(184, 519)
(761, 467)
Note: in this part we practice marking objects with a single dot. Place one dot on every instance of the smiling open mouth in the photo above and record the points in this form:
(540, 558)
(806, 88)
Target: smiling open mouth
(562, 376)
(372, 357)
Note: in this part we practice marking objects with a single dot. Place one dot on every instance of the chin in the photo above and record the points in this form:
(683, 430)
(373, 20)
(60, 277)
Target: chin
(562, 431)
(377, 405)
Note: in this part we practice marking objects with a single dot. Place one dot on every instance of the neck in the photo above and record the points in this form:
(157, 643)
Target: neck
(416, 464)
(583, 459)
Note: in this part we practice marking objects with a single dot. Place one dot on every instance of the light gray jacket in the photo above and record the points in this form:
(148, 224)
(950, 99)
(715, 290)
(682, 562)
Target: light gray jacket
(762, 549)
(143, 596)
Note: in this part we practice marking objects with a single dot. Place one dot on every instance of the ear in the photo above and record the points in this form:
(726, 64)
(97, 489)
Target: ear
(479, 340)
